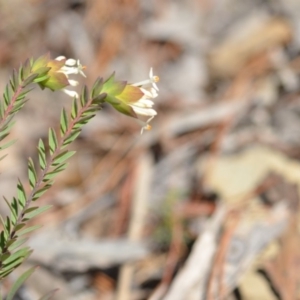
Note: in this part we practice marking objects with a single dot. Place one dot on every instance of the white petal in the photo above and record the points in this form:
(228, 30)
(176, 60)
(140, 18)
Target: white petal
(69, 70)
(72, 94)
(60, 57)
(153, 92)
(73, 82)
(155, 86)
(81, 72)
(71, 62)
(143, 103)
(151, 73)
(144, 111)
(149, 93)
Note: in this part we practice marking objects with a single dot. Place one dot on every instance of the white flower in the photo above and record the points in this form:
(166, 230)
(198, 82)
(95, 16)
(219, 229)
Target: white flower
(143, 106)
(134, 100)
(71, 66)
(153, 79)
(70, 93)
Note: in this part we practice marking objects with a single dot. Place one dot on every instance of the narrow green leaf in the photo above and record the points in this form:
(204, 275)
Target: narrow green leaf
(16, 255)
(42, 154)
(3, 239)
(53, 173)
(42, 78)
(4, 105)
(83, 121)
(13, 87)
(21, 194)
(29, 229)
(24, 93)
(63, 122)
(4, 256)
(18, 283)
(84, 97)
(19, 226)
(37, 211)
(3, 135)
(18, 106)
(52, 140)
(72, 137)
(99, 99)
(6, 145)
(7, 96)
(2, 157)
(8, 225)
(29, 79)
(14, 214)
(15, 206)
(31, 173)
(17, 243)
(30, 209)
(7, 126)
(60, 158)
(74, 111)
(4, 274)
(90, 110)
(1, 110)
(6, 233)
(14, 264)
(9, 243)
(97, 87)
(41, 191)
(14, 78)
(26, 68)
(21, 73)
(42, 71)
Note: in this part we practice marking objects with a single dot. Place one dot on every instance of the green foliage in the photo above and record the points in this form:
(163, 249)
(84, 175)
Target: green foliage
(15, 92)
(18, 283)
(43, 170)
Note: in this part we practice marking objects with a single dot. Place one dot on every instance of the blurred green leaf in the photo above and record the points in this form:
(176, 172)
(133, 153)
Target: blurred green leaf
(42, 154)
(63, 122)
(31, 173)
(21, 194)
(37, 211)
(19, 283)
(62, 157)
(29, 229)
(52, 140)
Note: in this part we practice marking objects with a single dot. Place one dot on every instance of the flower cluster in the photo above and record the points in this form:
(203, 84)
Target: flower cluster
(134, 100)
(144, 105)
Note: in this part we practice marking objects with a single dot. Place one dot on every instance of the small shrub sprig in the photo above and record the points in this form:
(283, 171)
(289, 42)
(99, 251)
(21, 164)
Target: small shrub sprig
(41, 179)
(134, 100)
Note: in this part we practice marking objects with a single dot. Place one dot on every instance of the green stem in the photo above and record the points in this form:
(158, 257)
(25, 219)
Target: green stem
(47, 168)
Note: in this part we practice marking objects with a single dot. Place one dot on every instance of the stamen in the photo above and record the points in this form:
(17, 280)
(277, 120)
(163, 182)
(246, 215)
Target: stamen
(155, 78)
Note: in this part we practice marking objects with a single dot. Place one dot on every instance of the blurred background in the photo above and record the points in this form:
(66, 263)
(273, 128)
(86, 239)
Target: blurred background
(204, 206)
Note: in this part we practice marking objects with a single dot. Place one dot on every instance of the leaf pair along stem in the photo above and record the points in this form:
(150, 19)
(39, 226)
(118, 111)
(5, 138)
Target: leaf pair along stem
(51, 163)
